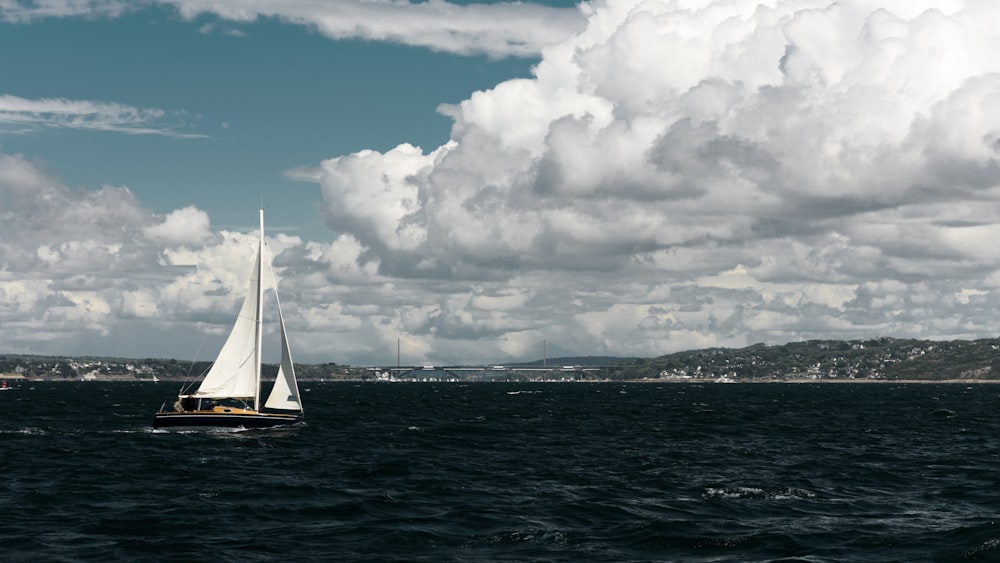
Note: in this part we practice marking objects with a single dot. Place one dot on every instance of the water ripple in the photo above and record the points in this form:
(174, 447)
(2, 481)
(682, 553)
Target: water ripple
(511, 472)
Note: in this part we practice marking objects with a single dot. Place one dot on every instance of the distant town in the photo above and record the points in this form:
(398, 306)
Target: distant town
(876, 359)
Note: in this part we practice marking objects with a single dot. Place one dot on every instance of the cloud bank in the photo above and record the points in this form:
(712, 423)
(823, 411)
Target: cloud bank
(675, 175)
(496, 29)
(716, 173)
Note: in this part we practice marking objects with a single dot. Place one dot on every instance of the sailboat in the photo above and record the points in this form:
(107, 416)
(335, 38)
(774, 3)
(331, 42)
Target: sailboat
(228, 396)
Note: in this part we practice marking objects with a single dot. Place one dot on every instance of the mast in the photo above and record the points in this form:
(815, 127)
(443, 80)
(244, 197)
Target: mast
(260, 314)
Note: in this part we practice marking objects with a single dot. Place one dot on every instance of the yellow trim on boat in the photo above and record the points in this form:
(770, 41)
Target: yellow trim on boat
(233, 410)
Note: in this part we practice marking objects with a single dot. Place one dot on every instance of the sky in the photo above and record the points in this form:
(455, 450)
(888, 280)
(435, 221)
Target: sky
(487, 182)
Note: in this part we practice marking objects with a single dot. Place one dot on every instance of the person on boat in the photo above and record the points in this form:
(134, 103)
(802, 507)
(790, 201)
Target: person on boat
(187, 403)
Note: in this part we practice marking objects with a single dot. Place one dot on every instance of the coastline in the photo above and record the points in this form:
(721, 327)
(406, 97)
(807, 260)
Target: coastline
(822, 381)
(793, 381)
(907, 381)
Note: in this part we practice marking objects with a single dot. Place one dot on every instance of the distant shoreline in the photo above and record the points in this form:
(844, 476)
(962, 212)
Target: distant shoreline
(797, 381)
(950, 381)
(824, 381)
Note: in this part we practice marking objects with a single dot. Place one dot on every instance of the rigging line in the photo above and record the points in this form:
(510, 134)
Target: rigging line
(189, 381)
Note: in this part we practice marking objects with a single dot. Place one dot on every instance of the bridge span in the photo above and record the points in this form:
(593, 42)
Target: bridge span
(489, 373)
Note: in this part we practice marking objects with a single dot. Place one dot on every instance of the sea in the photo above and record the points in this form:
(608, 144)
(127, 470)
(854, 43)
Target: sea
(574, 472)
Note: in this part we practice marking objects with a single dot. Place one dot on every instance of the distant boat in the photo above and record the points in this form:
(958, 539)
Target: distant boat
(155, 379)
(229, 393)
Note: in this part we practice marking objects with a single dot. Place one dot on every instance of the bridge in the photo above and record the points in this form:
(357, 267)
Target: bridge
(488, 373)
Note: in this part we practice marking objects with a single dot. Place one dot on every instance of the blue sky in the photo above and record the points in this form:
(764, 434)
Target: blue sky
(614, 177)
(256, 98)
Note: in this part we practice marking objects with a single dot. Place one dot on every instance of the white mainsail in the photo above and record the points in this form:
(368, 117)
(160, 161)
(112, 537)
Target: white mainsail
(234, 373)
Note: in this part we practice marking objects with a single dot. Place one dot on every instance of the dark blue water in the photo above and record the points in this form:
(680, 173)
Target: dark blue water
(510, 472)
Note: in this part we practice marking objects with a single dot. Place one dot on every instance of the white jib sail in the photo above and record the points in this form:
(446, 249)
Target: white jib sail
(285, 393)
(234, 373)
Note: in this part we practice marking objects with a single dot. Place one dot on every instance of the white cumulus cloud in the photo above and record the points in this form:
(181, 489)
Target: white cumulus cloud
(189, 225)
(673, 175)
(841, 156)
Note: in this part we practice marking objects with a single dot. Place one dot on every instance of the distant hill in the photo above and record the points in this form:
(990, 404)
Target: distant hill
(877, 358)
(882, 358)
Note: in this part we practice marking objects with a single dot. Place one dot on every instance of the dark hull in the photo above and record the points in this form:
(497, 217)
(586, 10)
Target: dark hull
(208, 419)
